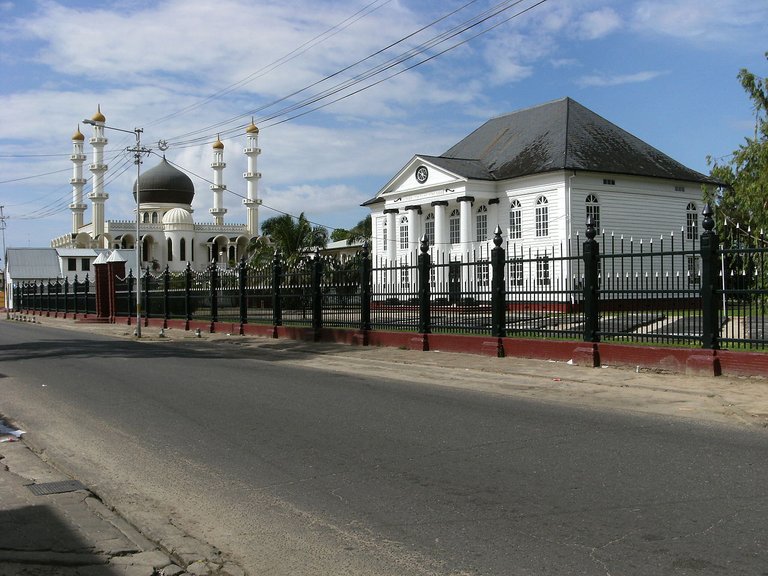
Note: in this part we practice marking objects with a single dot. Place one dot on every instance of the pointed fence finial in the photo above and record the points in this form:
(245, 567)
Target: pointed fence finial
(497, 240)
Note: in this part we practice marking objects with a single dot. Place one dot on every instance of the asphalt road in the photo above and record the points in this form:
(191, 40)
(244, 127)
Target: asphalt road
(294, 470)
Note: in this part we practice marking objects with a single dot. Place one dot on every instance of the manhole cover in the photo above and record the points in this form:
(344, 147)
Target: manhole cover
(56, 487)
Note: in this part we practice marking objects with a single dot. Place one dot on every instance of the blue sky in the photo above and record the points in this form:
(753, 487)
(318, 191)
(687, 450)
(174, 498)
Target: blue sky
(185, 70)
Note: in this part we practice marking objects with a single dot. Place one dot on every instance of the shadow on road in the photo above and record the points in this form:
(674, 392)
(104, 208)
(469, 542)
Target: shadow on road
(48, 342)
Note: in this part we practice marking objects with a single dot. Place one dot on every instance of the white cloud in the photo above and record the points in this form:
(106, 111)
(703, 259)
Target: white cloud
(564, 62)
(598, 23)
(313, 199)
(603, 80)
(696, 20)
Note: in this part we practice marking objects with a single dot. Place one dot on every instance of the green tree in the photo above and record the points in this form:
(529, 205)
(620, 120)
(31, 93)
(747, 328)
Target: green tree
(339, 234)
(295, 238)
(744, 201)
(361, 232)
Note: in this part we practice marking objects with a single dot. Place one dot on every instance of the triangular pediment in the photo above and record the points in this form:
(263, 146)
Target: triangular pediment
(418, 176)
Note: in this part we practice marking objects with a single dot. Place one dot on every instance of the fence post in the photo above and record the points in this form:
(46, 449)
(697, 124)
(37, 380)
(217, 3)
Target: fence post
(214, 294)
(277, 304)
(48, 290)
(166, 295)
(56, 297)
(66, 297)
(365, 288)
(424, 265)
(146, 297)
(188, 294)
(317, 294)
(591, 283)
(710, 266)
(241, 272)
(498, 293)
(86, 293)
(74, 289)
(131, 303)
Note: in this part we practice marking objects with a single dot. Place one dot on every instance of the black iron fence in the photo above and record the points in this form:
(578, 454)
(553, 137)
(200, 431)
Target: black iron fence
(680, 290)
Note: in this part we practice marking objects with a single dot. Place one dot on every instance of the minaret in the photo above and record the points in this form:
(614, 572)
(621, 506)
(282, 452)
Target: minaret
(77, 181)
(252, 201)
(218, 188)
(98, 196)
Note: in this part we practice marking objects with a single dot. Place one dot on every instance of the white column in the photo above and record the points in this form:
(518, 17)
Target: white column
(78, 182)
(441, 227)
(392, 234)
(218, 187)
(442, 249)
(414, 230)
(252, 202)
(465, 223)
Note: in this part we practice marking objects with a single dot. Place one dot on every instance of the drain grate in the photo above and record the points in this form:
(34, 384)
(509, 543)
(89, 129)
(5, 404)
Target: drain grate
(56, 487)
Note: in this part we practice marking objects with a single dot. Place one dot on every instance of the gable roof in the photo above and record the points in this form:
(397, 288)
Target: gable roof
(33, 263)
(558, 135)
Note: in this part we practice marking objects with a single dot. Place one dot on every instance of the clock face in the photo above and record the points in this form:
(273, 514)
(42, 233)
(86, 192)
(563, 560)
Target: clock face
(422, 174)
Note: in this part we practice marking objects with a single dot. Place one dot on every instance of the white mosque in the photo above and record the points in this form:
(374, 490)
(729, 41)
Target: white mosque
(169, 234)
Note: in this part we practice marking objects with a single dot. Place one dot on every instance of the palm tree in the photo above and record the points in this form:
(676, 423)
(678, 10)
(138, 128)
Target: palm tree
(361, 232)
(295, 238)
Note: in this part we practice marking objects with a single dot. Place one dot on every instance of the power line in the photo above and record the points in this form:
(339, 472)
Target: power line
(295, 53)
(309, 104)
(473, 22)
(268, 105)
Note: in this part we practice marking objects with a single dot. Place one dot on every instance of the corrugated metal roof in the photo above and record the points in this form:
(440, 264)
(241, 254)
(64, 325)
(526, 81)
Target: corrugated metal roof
(76, 252)
(33, 263)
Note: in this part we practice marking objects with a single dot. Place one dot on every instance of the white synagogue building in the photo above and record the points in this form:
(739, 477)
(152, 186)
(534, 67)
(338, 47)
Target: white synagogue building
(537, 174)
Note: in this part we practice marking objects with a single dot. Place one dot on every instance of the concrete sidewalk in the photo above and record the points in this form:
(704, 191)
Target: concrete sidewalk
(50, 525)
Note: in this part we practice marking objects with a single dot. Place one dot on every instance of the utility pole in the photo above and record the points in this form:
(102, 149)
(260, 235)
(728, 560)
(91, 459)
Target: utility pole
(3, 218)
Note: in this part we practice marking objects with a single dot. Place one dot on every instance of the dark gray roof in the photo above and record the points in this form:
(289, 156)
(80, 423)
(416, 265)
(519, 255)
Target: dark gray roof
(474, 169)
(558, 135)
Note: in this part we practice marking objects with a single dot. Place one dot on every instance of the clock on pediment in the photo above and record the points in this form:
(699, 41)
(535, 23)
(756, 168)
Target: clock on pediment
(422, 174)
